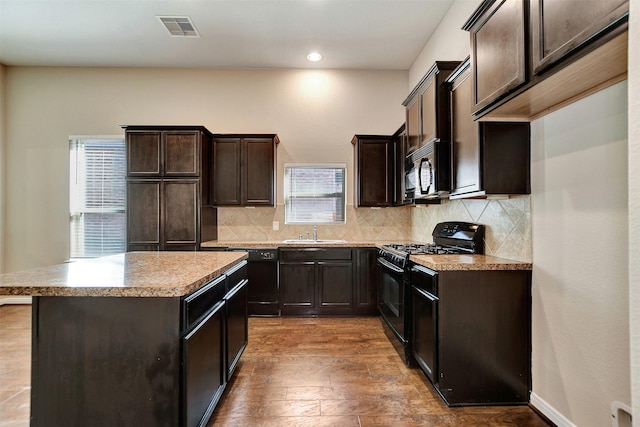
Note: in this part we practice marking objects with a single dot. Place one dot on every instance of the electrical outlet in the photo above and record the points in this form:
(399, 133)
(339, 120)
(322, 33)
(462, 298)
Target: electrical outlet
(276, 225)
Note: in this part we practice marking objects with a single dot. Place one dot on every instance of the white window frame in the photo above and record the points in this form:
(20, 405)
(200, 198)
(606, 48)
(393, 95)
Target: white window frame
(76, 205)
(287, 191)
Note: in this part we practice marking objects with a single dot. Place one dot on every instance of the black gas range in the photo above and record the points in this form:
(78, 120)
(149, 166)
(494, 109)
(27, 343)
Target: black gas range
(394, 295)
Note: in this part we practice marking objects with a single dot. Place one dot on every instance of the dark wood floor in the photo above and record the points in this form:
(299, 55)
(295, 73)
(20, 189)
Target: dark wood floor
(295, 372)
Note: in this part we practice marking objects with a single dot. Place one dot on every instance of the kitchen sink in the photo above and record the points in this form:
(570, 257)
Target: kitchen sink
(312, 242)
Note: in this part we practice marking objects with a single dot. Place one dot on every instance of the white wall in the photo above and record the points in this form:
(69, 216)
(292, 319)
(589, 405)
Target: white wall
(448, 43)
(315, 114)
(3, 129)
(559, 335)
(634, 203)
(580, 361)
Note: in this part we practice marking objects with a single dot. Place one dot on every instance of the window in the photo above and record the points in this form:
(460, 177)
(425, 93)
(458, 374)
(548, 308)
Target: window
(314, 193)
(97, 196)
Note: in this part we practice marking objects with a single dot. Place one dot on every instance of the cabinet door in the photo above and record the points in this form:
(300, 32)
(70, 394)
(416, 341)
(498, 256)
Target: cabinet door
(143, 215)
(203, 375)
(558, 27)
(258, 168)
(428, 109)
(399, 156)
(226, 171)
(144, 151)
(237, 325)
(374, 172)
(464, 135)
(297, 288)
(335, 290)
(366, 281)
(180, 211)
(413, 125)
(498, 52)
(181, 153)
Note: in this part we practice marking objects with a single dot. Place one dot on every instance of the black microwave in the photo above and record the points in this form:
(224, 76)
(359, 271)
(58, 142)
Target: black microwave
(428, 171)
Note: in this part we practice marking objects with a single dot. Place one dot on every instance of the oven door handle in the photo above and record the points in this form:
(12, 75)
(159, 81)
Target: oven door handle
(390, 266)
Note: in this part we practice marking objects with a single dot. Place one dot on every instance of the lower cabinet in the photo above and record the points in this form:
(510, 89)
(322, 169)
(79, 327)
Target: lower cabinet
(327, 281)
(316, 281)
(152, 361)
(237, 327)
(473, 340)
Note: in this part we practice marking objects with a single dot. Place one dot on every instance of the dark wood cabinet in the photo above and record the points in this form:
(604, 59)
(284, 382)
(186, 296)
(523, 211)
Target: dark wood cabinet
(560, 27)
(244, 169)
(484, 337)
(168, 188)
(176, 201)
(498, 51)
(236, 318)
(366, 281)
(316, 281)
(413, 124)
(427, 107)
(374, 171)
(399, 142)
(488, 157)
(549, 51)
(152, 361)
(163, 152)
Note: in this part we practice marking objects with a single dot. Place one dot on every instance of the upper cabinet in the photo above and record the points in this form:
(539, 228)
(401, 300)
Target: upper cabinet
(427, 107)
(155, 152)
(488, 157)
(530, 57)
(400, 150)
(244, 169)
(373, 156)
(559, 27)
(168, 187)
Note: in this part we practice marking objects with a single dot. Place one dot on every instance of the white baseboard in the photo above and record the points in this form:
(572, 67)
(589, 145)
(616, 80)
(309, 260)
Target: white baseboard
(550, 412)
(15, 300)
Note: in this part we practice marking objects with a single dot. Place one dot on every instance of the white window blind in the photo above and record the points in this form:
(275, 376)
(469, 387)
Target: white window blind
(315, 194)
(97, 197)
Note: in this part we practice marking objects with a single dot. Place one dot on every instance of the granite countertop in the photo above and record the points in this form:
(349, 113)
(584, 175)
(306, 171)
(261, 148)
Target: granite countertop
(468, 262)
(132, 274)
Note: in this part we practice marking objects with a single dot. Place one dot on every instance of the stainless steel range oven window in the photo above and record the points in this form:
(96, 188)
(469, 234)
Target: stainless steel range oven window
(391, 297)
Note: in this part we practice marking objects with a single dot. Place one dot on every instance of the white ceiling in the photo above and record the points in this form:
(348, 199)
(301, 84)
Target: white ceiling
(351, 34)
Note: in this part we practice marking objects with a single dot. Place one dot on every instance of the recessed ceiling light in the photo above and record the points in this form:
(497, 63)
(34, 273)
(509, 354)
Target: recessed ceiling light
(314, 57)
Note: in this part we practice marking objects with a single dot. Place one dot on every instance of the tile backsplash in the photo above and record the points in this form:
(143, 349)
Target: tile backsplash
(242, 224)
(508, 221)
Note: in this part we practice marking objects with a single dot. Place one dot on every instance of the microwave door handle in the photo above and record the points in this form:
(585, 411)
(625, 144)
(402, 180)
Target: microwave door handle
(420, 184)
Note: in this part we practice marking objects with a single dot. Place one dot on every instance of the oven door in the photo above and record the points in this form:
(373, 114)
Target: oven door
(391, 297)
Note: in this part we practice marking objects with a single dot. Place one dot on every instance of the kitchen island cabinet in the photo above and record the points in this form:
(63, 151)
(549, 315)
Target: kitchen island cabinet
(131, 339)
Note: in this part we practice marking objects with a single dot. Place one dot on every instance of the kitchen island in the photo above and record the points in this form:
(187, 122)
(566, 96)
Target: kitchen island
(133, 339)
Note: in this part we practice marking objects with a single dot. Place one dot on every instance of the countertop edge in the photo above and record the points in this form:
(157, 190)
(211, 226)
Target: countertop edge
(166, 291)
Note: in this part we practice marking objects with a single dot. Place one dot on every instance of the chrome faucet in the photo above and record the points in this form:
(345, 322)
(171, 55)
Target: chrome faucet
(315, 233)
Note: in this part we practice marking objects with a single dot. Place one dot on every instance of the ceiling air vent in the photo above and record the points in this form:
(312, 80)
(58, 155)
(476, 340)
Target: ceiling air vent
(179, 26)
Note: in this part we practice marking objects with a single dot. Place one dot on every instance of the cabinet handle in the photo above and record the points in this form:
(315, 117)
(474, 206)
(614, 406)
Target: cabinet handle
(236, 289)
(216, 308)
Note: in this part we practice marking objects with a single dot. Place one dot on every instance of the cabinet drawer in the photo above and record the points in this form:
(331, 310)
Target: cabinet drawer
(236, 275)
(199, 302)
(314, 254)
